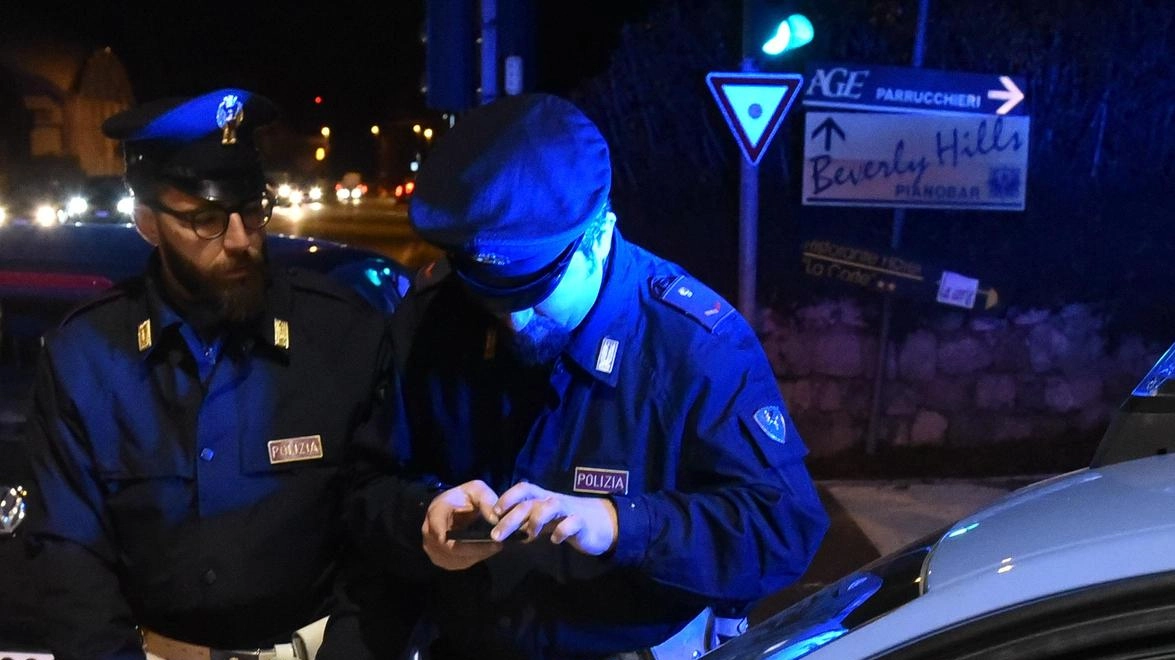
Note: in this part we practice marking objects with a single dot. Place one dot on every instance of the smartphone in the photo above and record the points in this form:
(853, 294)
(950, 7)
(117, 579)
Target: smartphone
(479, 532)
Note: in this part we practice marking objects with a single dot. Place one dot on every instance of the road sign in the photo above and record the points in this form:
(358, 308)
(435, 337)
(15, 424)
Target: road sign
(916, 90)
(754, 105)
(915, 160)
(892, 274)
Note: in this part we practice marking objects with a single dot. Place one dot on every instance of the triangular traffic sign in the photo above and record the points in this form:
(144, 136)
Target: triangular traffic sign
(754, 105)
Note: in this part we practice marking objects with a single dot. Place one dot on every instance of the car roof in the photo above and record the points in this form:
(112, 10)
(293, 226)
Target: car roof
(85, 258)
(1085, 528)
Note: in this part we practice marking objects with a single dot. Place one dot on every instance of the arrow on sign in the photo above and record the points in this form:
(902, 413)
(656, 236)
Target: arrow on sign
(828, 126)
(1010, 95)
(754, 105)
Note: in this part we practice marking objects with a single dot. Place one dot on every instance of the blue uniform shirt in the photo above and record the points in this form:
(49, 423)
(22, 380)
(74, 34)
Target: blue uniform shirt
(194, 487)
(664, 402)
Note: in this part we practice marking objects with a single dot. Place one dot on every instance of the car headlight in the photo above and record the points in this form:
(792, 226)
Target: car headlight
(45, 215)
(3, 216)
(126, 206)
(283, 190)
(343, 194)
(76, 206)
(295, 196)
(316, 194)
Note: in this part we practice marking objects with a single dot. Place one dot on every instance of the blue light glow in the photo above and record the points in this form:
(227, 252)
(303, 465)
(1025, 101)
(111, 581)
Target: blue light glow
(961, 531)
(805, 646)
(373, 276)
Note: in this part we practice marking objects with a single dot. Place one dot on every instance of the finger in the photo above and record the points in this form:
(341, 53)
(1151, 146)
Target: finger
(543, 513)
(514, 519)
(567, 528)
(482, 497)
(519, 492)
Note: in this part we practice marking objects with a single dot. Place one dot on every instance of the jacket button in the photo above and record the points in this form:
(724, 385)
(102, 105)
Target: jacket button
(209, 577)
(206, 454)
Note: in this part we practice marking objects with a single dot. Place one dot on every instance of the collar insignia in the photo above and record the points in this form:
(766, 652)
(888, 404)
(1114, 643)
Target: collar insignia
(606, 358)
(229, 115)
(144, 335)
(12, 509)
(281, 334)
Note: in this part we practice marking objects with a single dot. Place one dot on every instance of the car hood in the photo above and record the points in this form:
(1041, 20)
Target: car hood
(1065, 532)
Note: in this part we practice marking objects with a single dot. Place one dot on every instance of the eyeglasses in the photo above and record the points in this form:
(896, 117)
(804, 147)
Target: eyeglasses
(211, 221)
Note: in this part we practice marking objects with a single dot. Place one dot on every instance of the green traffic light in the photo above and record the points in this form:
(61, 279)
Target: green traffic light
(791, 34)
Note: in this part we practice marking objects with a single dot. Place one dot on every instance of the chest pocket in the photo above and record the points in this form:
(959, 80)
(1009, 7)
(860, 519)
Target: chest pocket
(289, 453)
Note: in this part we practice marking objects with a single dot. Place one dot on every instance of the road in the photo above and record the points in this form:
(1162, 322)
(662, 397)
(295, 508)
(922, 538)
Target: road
(377, 224)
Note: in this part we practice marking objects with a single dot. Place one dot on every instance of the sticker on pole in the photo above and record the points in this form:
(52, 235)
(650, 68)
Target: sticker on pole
(958, 290)
(754, 105)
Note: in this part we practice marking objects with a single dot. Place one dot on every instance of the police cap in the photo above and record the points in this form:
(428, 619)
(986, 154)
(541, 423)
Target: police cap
(203, 145)
(509, 192)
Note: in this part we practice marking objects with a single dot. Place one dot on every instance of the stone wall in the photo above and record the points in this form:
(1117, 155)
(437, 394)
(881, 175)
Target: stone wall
(959, 379)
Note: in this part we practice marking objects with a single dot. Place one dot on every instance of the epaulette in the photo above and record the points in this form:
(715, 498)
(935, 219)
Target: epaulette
(106, 296)
(430, 275)
(691, 297)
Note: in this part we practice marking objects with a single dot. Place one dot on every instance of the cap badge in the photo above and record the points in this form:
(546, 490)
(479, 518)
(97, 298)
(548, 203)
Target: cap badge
(491, 258)
(281, 334)
(229, 115)
(144, 335)
(771, 420)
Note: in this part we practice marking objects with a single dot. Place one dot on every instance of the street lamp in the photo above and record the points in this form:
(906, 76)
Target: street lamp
(325, 131)
(375, 130)
(427, 134)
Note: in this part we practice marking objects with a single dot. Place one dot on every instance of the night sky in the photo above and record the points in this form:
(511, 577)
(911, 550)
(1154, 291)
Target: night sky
(364, 58)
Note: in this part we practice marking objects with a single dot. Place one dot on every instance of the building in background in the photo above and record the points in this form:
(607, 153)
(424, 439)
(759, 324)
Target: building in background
(53, 98)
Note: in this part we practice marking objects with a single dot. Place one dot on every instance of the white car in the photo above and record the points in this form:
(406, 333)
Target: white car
(1080, 565)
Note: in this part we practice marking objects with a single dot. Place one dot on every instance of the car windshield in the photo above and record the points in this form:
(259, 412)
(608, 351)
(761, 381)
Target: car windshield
(824, 616)
(1161, 378)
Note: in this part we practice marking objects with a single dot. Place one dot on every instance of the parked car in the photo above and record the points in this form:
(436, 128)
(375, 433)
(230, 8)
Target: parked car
(1080, 565)
(44, 273)
(101, 199)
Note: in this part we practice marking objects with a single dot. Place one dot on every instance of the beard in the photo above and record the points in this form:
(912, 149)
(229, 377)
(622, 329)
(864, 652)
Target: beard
(215, 295)
(539, 342)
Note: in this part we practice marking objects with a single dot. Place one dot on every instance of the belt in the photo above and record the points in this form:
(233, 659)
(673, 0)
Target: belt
(173, 649)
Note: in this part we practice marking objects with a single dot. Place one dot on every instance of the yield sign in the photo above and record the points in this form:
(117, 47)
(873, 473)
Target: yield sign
(754, 105)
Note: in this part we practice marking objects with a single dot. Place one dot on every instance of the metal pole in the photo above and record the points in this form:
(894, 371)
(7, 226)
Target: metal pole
(748, 233)
(748, 206)
(895, 241)
(489, 51)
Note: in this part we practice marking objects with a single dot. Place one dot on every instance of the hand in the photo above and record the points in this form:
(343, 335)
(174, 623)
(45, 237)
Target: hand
(458, 508)
(588, 523)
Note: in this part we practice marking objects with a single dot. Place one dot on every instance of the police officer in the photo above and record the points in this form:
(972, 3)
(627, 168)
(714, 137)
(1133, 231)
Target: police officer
(565, 387)
(189, 425)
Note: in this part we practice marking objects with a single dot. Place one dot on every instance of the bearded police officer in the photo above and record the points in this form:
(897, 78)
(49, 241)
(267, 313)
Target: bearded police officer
(566, 387)
(189, 425)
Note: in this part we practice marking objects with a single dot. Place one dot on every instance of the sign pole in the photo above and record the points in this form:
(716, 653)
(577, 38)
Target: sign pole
(899, 221)
(748, 231)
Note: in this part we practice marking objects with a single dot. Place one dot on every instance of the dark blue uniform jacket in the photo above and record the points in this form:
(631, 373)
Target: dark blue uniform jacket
(664, 402)
(167, 502)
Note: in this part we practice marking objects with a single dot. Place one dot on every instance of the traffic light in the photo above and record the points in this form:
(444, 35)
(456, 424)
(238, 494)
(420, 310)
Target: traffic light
(774, 27)
(790, 34)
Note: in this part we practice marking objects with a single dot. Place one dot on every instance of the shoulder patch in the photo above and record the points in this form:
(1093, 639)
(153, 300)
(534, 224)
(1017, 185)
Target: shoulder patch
(116, 292)
(431, 274)
(692, 298)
